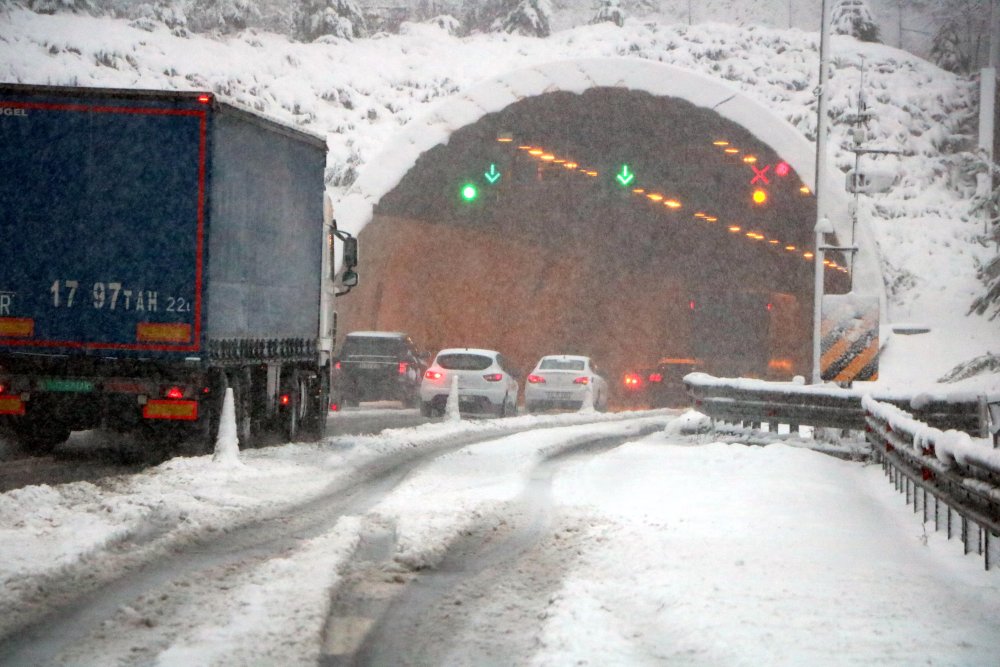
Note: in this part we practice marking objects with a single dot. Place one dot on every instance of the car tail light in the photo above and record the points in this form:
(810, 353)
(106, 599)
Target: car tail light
(493, 377)
(432, 375)
(655, 377)
(174, 392)
(632, 381)
(403, 366)
(536, 379)
(583, 379)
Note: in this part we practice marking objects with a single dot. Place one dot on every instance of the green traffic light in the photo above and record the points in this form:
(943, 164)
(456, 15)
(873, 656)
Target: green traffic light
(469, 192)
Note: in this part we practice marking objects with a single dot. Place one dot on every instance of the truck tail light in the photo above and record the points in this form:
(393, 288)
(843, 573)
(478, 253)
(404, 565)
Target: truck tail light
(536, 379)
(174, 392)
(3, 387)
(655, 377)
(632, 381)
(583, 379)
(403, 367)
(285, 399)
(493, 377)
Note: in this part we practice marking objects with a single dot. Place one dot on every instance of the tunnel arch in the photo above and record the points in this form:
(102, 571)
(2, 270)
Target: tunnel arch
(354, 209)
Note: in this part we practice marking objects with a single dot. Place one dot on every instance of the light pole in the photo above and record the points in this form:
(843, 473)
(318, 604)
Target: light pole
(822, 222)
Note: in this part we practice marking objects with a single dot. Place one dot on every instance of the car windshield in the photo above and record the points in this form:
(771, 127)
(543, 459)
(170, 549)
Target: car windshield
(371, 345)
(464, 362)
(561, 365)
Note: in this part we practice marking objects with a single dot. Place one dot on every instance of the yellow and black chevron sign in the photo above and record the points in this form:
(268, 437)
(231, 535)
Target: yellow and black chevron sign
(849, 345)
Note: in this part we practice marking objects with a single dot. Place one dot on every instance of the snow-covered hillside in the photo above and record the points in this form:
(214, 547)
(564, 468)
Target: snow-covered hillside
(359, 94)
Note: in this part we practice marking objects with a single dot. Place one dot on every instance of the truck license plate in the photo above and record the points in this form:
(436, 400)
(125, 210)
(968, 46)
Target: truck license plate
(80, 386)
(368, 364)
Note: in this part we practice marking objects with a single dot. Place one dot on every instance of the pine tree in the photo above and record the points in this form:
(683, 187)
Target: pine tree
(223, 15)
(528, 17)
(853, 17)
(609, 12)
(947, 51)
(54, 6)
(338, 18)
(961, 44)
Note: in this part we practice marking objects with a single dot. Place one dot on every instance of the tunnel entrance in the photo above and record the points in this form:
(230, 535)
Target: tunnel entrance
(611, 223)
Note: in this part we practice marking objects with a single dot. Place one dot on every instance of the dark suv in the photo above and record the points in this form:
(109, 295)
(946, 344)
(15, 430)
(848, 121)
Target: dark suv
(665, 383)
(379, 366)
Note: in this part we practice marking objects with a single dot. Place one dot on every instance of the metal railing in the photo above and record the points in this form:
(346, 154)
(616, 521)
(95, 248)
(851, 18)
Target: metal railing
(950, 477)
(758, 401)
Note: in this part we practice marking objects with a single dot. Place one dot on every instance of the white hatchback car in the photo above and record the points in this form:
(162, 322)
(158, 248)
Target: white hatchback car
(486, 383)
(562, 381)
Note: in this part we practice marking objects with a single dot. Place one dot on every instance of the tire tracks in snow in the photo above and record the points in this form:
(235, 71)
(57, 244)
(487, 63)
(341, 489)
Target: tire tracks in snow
(78, 604)
(384, 613)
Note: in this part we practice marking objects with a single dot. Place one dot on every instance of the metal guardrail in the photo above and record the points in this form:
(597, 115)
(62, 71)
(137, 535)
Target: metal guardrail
(756, 401)
(950, 477)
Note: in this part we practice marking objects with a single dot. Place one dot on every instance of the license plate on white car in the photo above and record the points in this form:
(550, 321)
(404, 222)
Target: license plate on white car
(559, 395)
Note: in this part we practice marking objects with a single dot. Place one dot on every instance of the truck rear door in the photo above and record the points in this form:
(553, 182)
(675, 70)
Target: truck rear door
(103, 223)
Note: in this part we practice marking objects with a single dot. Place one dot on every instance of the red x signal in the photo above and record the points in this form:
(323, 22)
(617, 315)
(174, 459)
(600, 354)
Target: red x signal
(760, 174)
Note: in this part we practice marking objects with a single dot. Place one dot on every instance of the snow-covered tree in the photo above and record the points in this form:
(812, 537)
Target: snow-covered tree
(609, 11)
(854, 17)
(527, 17)
(961, 43)
(54, 6)
(168, 13)
(948, 51)
(223, 15)
(338, 18)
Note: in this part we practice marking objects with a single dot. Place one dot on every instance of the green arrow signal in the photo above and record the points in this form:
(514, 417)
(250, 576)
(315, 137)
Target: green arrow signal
(493, 175)
(625, 177)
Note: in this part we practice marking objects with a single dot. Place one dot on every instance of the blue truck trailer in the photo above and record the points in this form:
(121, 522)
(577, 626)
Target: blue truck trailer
(157, 248)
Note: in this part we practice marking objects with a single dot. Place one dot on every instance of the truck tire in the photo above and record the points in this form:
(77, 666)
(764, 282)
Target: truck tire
(40, 438)
(292, 412)
(314, 423)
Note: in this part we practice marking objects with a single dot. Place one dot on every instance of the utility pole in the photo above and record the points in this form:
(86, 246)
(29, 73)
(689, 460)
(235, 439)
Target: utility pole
(822, 221)
(988, 115)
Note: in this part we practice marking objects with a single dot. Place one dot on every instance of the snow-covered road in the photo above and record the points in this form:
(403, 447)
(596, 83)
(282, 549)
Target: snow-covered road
(664, 549)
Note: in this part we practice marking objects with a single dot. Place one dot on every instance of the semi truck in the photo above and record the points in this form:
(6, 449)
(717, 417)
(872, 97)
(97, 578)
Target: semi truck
(157, 248)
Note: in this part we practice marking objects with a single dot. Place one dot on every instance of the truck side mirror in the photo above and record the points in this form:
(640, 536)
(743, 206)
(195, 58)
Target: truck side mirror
(350, 253)
(349, 279)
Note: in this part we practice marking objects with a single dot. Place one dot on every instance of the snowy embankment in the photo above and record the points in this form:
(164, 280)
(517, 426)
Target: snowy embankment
(359, 94)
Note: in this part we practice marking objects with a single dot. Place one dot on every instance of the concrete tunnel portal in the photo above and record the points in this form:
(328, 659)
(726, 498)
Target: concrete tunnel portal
(562, 253)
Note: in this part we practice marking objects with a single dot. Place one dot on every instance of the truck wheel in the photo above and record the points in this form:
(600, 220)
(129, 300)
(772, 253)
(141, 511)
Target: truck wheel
(40, 439)
(291, 417)
(314, 422)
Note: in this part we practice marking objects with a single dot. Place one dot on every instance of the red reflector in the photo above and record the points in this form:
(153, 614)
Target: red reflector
(493, 377)
(179, 410)
(402, 367)
(582, 380)
(174, 392)
(11, 405)
(432, 375)
(536, 379)
(655, 377)
(285, 399)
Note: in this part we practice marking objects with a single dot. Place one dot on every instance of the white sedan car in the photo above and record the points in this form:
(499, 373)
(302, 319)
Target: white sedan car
(486, 383)
(563, 381)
